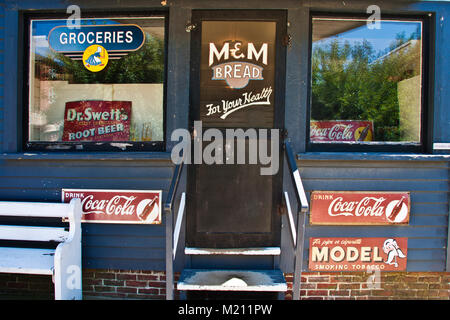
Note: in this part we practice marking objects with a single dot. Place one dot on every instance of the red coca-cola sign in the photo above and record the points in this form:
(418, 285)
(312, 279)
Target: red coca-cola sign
(118, 206)
(359, 208)
(341, 130)
(358, 254)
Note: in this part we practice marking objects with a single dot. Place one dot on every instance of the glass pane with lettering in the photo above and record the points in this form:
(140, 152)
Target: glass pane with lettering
(237, 74)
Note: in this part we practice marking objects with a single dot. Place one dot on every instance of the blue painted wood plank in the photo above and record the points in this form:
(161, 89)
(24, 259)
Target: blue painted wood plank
(126, 239)
(124, 264)
(71, 170)
(375, 231)
(111, 229)
(369, 185)
(123, 253)
(397, 173)
(85, 183)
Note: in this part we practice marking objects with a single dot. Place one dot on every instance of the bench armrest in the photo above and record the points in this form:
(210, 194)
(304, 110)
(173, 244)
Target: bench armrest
(67, 273)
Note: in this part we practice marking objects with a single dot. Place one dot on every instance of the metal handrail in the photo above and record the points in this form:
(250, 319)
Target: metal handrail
(304, 206)
(180, 215)
(298, 233)
(172, 237)
(168, 205)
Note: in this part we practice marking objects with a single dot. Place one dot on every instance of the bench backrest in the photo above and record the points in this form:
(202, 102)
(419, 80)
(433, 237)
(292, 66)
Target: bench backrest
(35, 209)
(71, 211)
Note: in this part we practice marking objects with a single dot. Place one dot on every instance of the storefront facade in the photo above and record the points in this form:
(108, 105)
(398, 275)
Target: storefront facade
(356, 91)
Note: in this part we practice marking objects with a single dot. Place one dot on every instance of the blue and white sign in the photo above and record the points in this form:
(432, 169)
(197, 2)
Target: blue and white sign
(114, 38)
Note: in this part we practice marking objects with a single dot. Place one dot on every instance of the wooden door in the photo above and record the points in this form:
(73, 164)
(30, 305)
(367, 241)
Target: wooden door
(237, 83)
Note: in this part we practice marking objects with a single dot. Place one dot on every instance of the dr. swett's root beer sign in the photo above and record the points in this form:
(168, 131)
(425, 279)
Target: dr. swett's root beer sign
(117, 206)
(97, 121)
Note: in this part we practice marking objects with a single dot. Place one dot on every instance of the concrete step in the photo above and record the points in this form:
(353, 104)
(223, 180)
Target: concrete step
(263, 251)
(232, 280)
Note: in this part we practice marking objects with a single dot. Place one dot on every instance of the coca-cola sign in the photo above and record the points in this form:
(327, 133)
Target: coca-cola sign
(341, 130)
(358, 254)
(118, 206)
(359, 208)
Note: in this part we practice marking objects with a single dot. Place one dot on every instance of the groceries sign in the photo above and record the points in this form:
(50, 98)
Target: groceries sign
(358, 254)
(96, 44)
(359, 208)
(118, 206)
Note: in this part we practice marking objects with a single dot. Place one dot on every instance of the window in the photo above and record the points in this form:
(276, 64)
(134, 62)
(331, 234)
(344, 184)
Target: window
(366, 84)
(96, 87)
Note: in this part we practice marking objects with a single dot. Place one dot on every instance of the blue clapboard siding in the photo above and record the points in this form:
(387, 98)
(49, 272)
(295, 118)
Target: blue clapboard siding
(428, 183)
(137, 247)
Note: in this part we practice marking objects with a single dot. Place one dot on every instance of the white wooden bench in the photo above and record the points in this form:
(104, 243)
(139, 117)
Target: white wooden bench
(63, 263)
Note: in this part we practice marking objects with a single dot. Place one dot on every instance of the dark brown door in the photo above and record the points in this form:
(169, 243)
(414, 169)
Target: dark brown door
(237, 83)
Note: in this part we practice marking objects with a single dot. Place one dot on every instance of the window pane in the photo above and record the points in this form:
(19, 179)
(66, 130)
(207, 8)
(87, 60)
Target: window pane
(102, 82)
(366, 81)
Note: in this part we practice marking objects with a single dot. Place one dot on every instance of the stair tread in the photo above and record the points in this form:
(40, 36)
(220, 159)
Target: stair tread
(256, 251)
(232, 280)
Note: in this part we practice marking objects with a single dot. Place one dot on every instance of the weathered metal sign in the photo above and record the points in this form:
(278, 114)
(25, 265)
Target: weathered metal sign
(118, 206)
(359, 208)
(341, 130)
(97, 121)
(358, 254)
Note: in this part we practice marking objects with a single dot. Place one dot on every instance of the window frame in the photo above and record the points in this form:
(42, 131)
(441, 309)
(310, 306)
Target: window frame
(427, 71)
(87, 146)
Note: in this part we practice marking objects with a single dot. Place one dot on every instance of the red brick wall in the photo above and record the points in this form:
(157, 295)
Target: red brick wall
(126, 284)
(357, 285)
(24, 286)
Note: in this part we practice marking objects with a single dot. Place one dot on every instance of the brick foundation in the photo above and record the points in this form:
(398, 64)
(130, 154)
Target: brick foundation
(123, 284)
(126, 284)
(357, 286)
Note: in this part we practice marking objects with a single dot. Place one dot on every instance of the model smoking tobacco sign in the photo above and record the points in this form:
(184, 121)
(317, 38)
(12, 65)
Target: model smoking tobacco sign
(118, 206)
(359, 208)
(358, 254)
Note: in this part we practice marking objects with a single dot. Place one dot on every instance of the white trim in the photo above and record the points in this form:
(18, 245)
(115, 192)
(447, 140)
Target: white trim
(441, 146)
(265, 251)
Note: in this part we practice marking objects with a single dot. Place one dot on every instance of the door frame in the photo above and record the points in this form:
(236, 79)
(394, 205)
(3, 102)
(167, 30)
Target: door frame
(280, 18)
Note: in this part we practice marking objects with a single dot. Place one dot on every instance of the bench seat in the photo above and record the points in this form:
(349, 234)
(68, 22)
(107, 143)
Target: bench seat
(27, 260)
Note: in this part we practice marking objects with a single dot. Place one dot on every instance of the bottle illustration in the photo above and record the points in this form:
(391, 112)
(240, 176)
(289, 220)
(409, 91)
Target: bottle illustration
(396, 210)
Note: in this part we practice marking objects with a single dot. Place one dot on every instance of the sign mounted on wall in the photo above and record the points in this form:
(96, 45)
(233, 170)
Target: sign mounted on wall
(358, 254)
(117, 206)
(359, 208)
